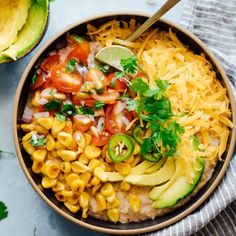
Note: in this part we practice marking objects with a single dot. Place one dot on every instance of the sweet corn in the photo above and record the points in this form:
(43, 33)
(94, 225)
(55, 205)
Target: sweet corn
(80, 139)
(113, 204)
(66, 139)
(73, 200)
(136, 149)
(83, 159)
(107, 190)
(48, 182)
(61, 177)
(108, 159)
(134, 202)
(59, 96)
(69, 127)
(71, 207)
(95, 181)
(81, 96)
(101, 202)
(51, 168)
(58, 187)
(79, 167)
(67, 155)
(77, 186)
(45, 122)
(88, 139)
(136, 161)
(67, 193)
(58, 145)
(93, 164)
(106, 166)
(100, 173)
(111, 198)
(70, 178)
(85, 177)
(28, 127)
(87, 86)
(35, 99)
(113, 215)
(57, 126)
(54, 153)
(60, 197)
(50, 143)
(29, 148)
(41, 130)
(130, 159)
(92, 152)
(84, 199)
(123, 168)
(65, 167)
(95, 189)
(85, 212)
(37, 166)
(39, 155)
(124, 186)
(28, 136)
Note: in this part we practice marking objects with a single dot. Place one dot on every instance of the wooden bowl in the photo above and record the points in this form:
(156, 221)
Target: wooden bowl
(95, 224)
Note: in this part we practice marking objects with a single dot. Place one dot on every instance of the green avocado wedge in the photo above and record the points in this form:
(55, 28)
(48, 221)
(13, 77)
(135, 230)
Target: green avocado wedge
(177, 188)
(30, 34)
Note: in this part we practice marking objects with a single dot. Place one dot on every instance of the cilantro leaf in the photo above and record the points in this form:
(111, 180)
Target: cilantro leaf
(129, 65)
(195, 142)
(133, 105)
(78, 38)
(119, 74)
(158, 91)
(98, 105)
(138, 86)
(71, 65)
(52, 105)
(3, 211)
(34, 78)
(69, 110)
(86, 110)
(60, 117)
(38, 142)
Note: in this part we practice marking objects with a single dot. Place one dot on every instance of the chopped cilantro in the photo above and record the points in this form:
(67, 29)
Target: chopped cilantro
(129, 65)
(106, 69)
(60, 117)
(86, 110)
(138, 86)
(71, 65)
(195, 142)
(69, 109)
(34, 78)
(77, 38)
(52, 105)
(99, 91)
(3, 211)
(98, 105)
(38, 142)
(119, 74)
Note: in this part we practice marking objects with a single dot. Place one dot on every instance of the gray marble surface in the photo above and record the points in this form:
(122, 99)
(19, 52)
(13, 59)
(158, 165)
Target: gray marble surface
(28, 214)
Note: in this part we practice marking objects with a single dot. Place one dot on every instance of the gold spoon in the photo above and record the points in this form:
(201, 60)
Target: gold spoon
(147, 24)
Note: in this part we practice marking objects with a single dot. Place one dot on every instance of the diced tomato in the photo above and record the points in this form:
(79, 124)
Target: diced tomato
(38, 83)
(109, 97)
(89, 102)
(50, 62)
(97, 77)
(65, 81)
(41, 109)
(48, 83)
(102, 139)
(120, 86)
(77, 54)
(80, 125)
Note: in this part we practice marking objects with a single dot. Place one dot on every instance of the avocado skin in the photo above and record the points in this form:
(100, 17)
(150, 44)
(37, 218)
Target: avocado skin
(180, 188)
(38, 12)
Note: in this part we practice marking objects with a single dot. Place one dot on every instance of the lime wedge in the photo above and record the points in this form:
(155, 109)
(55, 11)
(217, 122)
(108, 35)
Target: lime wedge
(112, 55)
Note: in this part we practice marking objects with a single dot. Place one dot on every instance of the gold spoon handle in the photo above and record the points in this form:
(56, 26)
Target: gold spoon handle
(165, 8)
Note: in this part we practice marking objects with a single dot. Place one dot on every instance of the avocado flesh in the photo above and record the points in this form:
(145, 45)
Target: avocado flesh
(30, 34)
(159, 177)
(178, 188)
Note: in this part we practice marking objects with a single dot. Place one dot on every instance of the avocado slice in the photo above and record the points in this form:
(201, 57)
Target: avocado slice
(30, 34)
(159, 177)
(178, 188)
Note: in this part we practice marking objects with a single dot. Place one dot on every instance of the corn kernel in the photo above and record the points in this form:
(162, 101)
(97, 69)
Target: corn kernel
(136, 161)
(85, 177)
(58, 187)
(136, 149)
(113, 215)
(60, 197)
(83, 159)
(108, 159)
(77, 186)
(106, 166)
(29, 148)
(61, 177)
(35, 99)
(58, 145)
(41, 130)
(51, 168)
(134, 203)
(101, 202)
(88, 139)
(59, 96)
(124, 186)
(130, 159)
(39, 155)
(71, 207)
(93, 164)
(85, 212)
(65, 167)
(107, 190)
(70, 178)
(50, 142)
(27, 127)
(123, 168)
(69, 127)
(37, 166)
(67, 193)
(54, 153)
(84, 199)
(57, 126)
(48, 182)
(73, 200)
(45, 122)
(28, 136)
(92, 152)
(112, 197)
(80, 139)
(100, 173)
(67, 155)
(95, 189)
(113, 204)
(66, 139)
(79, 167)
(95, 181)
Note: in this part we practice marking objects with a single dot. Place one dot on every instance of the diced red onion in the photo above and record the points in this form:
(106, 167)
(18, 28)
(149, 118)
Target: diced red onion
(41, 114)
(100, 125)
(77, 136)
(47, 93)
(94, 131)
(82, 70)
(119, 107)
(42, 101)
(83, 119)
(125, 120)
(27, 115)
(90, 60)
(95, 47)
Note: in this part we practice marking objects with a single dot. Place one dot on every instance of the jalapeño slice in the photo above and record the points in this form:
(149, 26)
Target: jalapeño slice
(152, 157)
(138, 134)
(120, 147)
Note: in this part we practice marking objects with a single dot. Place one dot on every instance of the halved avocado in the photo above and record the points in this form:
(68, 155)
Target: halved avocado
(30, 34)
(177, 188)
